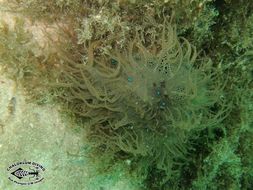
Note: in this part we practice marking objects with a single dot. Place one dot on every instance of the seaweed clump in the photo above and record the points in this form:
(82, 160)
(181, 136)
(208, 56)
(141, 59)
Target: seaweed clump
(142, 103)
(145, 96)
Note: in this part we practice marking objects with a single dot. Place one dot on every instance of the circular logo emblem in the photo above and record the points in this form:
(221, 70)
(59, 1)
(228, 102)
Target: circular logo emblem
(25, 173)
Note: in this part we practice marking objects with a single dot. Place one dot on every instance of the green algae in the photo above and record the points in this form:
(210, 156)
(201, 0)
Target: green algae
(181, 118)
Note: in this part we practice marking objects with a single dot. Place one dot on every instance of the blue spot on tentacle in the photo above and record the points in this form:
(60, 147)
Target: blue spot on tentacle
(130, 79)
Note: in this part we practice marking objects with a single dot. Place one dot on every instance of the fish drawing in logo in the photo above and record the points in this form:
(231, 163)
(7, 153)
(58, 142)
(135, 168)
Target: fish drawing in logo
(20, 173)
